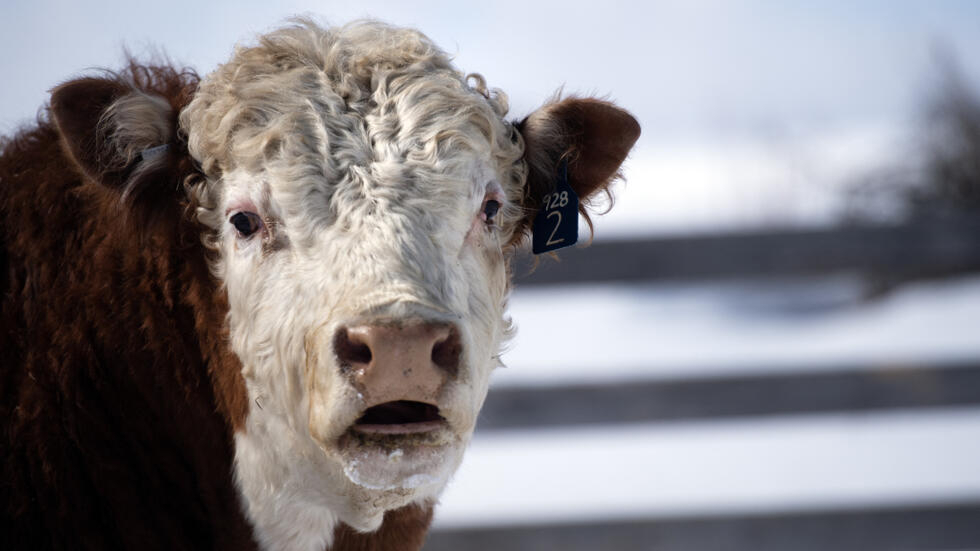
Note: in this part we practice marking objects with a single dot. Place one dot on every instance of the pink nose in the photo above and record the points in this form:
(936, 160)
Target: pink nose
(394, 362)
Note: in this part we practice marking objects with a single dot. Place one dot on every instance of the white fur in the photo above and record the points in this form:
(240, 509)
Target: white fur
(368, 157)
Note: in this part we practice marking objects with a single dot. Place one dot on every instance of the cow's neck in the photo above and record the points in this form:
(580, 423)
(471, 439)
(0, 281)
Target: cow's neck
(403, 528)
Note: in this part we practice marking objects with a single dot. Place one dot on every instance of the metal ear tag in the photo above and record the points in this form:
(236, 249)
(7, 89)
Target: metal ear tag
(556, 224)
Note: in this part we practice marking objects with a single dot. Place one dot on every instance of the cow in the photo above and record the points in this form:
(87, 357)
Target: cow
(260, 309)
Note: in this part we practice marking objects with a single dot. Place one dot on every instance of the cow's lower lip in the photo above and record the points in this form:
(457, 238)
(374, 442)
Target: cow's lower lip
(400, 417)
(402, 428)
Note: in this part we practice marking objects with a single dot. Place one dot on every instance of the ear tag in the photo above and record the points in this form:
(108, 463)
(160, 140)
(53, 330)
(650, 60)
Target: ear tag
(153, 152)
(556, 224)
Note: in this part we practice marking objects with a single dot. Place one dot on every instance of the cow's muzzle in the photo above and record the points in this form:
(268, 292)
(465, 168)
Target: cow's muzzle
(400, 370)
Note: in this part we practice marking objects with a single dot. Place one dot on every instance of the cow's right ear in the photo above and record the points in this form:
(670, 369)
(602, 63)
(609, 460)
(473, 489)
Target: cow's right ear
(121, 138)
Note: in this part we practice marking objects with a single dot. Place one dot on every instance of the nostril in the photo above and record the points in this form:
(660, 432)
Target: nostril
(446, 352)
(350, 349)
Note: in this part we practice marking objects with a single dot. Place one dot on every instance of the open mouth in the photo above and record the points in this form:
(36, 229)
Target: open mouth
(401, 417)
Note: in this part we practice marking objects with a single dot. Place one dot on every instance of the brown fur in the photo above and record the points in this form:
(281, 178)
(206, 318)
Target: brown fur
(118, 394)
(113, 366)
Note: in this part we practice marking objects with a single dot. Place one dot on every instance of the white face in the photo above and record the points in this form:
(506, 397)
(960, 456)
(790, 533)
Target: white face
(339, 205)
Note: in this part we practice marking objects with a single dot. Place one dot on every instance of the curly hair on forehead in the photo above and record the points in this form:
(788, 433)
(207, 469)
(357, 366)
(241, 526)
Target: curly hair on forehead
(322, 87)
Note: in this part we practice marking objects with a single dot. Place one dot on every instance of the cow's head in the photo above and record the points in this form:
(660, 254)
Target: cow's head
(363, 197)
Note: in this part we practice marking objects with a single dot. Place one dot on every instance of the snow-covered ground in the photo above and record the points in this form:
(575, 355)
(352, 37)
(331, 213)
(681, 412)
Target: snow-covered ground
(831, 461)
(618, 332)
(772, 465)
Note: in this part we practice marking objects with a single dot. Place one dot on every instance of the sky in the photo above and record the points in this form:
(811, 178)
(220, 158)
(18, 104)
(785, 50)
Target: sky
(752, 112)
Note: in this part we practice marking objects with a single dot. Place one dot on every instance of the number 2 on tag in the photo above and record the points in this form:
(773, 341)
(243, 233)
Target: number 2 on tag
(551, 238)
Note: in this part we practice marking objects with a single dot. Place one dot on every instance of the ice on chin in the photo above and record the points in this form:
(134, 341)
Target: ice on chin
(400, 469)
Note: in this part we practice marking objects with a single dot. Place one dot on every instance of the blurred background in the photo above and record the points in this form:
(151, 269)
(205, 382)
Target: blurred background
(773, 341)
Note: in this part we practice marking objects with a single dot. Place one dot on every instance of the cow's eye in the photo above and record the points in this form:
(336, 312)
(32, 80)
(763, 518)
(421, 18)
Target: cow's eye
(490, 209)
(246, 223)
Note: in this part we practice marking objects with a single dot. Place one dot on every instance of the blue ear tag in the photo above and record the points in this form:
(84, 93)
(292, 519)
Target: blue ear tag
(556, 224)
(153, 152)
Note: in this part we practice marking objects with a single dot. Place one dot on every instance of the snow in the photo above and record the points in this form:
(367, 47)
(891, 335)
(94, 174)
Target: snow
(399, 469)
(625, 332)
(783, 464)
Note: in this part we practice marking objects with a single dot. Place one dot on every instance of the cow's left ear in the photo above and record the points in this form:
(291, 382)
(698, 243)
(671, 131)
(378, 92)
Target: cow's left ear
(592, 136)
(121, 138)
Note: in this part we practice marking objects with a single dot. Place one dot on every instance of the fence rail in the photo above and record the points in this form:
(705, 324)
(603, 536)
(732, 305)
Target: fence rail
(840, 390)
(915, 249)
(942, 527)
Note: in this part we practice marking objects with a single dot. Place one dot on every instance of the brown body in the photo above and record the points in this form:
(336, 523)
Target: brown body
(117, 393)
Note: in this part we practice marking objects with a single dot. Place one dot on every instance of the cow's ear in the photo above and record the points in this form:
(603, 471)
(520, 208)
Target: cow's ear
(591, 135)
(77, 108)
(121, 137)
